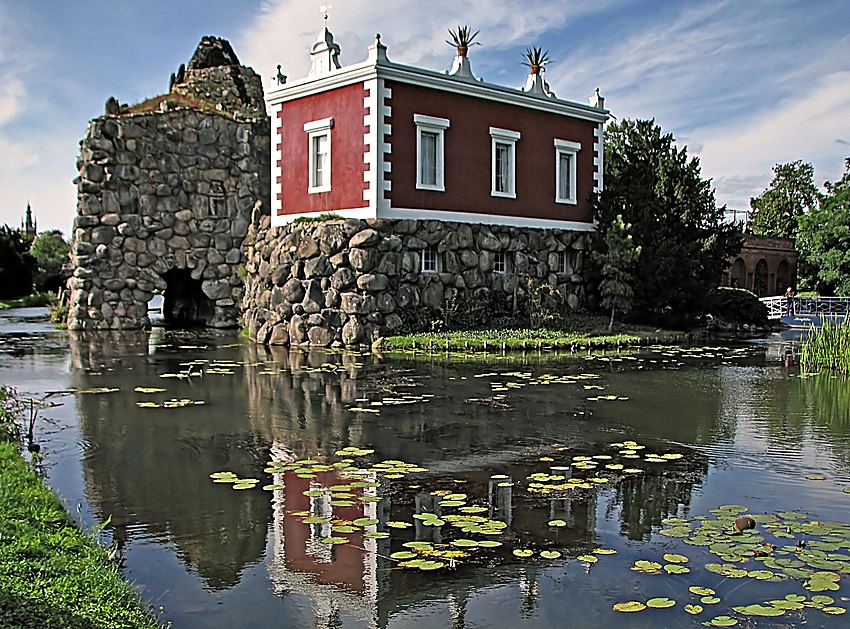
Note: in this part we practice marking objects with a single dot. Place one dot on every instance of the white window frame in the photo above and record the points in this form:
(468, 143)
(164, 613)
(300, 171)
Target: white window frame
(316, 129)
(430, 260)
(509, 138)
(570, 149)
(563, 263)
(500, 262)
(436, 126)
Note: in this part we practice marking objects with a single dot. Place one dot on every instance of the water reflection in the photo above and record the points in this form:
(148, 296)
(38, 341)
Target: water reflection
(149, 467)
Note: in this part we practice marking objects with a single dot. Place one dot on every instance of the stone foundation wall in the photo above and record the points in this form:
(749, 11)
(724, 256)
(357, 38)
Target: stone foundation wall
(345, 282)
(160, 191)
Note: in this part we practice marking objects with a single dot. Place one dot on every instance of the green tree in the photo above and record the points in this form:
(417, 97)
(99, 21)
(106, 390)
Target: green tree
(616, 259)
(791, 193)
(15, 264)
(823, 241)
(685, 244)
(50, 252)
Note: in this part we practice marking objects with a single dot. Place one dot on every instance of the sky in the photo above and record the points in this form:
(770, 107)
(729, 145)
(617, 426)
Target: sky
(744, 84)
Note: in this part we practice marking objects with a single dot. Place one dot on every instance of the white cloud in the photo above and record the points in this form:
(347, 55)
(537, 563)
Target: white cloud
(413, 31)
(12, 94)
(740, 156)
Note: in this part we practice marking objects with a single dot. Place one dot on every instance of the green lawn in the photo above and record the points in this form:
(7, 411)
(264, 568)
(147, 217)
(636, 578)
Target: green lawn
(51, 573)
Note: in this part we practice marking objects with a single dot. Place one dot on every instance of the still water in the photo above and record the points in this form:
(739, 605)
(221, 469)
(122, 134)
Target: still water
(574, 456)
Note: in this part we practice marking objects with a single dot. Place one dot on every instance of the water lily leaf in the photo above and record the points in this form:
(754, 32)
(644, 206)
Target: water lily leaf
(523, 552)
(365, 522)
(376, 535)
(694, 609)
(759, 610)
(674, 558)
(815, 477)
(604, 551)
(342, 503)
(148, 390)
(786, 605)
(675, 568)
(465, 543)
(643, 565)
(701, 591)
(629, 606)
(550, 554)
(822, 599)
(344, 529)
(273, 487)
(223, 475)
(399, 525)
(557, 523)
(835, 611)
(314, 493)
(316, 519)
(820, 585)
(588, 558)
(661, 602)
(335, 540)
(403, 554)
(721, 621)
(241, 485)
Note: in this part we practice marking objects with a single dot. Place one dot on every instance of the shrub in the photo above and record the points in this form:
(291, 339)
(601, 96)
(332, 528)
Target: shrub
(737, 305)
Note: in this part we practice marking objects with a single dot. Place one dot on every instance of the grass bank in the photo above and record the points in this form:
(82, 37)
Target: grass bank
(827, 348)
(52, 574)
(584, 333)
(36, 299)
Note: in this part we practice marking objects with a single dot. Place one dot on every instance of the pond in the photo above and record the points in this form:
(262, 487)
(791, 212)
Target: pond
(254, 487)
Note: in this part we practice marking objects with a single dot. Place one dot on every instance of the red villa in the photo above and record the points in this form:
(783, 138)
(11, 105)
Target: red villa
(378, 139)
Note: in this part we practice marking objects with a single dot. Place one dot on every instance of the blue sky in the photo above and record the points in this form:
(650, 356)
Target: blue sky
(744, 84)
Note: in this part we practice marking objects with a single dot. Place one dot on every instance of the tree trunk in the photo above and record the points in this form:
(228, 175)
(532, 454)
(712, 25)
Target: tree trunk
(611, 322)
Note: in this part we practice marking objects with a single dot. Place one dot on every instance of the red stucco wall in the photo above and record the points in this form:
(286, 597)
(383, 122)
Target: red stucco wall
(468, 156)
(345, 106)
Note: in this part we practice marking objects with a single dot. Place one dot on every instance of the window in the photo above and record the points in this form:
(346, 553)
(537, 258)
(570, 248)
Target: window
(319, 138)
(562, 262)
(430, 260)
(504, 162)
(565, 171)
(430, 152)
(500, 264)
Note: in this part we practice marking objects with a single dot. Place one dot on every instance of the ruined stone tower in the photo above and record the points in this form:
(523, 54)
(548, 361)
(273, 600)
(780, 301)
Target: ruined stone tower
(165, 194)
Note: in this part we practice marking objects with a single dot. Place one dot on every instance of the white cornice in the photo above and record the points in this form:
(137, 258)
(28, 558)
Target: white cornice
(435, 80)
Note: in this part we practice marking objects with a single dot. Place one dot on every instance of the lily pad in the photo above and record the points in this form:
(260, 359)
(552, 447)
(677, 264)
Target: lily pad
(557, 523)
(588, 558)
(721, 621)
(523, 552)
(759, 610)
(661, 602)
(701, 591)
(550, 554)
(629, 606)
(694, 609)
(674, 558)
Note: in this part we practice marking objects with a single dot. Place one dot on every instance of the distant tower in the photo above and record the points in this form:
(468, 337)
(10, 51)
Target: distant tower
(29, 226)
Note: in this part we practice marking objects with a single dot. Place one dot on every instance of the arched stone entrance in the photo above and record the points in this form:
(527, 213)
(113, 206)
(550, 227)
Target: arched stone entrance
(184, 301)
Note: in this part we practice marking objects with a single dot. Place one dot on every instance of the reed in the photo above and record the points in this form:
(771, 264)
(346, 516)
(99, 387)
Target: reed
(827, 348)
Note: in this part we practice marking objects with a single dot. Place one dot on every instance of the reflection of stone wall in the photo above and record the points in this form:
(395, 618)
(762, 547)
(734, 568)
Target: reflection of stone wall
(343, 282)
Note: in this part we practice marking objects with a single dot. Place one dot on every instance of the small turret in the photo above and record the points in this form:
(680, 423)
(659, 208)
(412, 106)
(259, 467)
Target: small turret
(324, 53)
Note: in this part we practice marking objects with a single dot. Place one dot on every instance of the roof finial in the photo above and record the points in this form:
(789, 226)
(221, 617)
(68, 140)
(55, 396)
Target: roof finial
(324, 10)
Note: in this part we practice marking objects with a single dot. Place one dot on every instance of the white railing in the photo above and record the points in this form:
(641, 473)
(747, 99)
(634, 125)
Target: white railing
(778, 307)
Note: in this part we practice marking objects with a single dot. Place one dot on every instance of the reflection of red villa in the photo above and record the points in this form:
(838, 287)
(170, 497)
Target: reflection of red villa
(346, 564)
(379, 139)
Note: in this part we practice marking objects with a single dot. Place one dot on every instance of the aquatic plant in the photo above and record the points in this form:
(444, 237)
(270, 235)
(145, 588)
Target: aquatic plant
(827, 348)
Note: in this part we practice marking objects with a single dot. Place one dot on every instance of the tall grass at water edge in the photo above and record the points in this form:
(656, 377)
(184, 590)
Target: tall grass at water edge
(827, 348)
